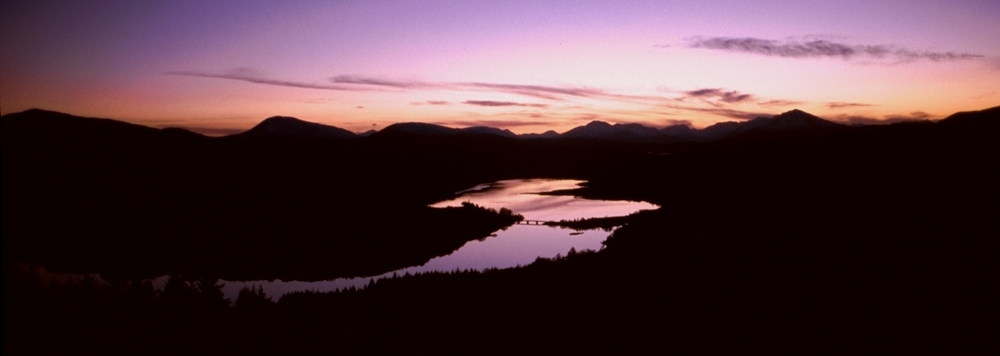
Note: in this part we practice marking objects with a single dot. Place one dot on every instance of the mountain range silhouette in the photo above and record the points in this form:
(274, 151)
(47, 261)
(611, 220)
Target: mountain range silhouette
(791, 121)
(787, 123)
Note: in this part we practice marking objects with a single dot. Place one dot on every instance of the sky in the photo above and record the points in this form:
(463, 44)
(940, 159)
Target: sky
(220, 67)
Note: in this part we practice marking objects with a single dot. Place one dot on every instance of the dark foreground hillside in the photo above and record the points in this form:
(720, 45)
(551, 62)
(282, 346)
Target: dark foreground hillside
(873, 238)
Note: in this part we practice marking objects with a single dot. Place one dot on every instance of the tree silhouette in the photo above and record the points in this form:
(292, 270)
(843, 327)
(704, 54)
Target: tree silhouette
(250, 298)
(210, 293)
(179, 294)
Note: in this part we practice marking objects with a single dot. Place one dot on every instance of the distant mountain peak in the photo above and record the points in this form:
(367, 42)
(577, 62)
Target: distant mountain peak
(792, 120)
(426, 129)
(417, 128)
(601, 129)
(799, 119)
(796, 113)
(281, 119)
(597, 123)
(284, 126)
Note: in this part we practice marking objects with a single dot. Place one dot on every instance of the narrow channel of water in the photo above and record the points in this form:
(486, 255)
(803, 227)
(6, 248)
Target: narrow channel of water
(517, 245)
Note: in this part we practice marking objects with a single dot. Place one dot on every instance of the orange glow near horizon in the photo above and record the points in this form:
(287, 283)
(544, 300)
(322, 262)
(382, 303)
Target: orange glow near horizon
(523, 66)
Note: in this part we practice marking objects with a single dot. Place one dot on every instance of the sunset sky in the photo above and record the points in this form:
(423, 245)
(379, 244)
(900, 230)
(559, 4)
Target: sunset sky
(220, 67)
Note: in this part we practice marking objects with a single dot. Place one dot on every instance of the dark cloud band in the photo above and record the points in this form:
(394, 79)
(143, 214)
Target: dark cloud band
(501, 103)
(249, 76)
(731, 97)
(841, 105)
(823, 49)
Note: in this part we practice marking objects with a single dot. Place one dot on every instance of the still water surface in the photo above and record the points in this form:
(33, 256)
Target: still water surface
(517, 245)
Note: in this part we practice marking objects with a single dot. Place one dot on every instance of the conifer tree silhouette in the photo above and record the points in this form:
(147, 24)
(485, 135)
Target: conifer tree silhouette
(210, 293)
(250, 298)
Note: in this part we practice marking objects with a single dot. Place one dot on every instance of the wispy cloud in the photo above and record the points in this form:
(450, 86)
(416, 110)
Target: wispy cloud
(538, 91)
(885, 120)
(502, 103)
(841, 105)
(672, 122)
(251, 76)
(720, 95)
(824, 49)
(719, 101)
(362, 83)
(770, 103)
(724, 112)
(723, 102)
(351, 79)
(431, 102)
(916, 115)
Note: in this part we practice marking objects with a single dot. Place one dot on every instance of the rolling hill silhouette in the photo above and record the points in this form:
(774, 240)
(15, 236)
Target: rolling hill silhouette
(283, 126)
(603, 130)
(423, 129)
(982, 119)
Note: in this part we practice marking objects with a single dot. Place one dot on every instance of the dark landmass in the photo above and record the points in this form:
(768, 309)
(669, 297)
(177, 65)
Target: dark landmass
(281, 126)
(88, 195)
(796, 240)
(604, 223)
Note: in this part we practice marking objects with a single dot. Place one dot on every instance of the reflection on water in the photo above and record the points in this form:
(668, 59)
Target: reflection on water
(517, 245)
(521, 196)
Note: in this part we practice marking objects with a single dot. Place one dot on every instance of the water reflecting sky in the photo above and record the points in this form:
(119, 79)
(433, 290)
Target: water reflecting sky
(517, 245)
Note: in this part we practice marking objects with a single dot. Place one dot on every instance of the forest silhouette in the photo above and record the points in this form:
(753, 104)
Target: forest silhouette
(873, 237)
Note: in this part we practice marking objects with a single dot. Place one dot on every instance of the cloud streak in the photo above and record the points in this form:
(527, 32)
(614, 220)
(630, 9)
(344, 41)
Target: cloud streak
(730, 113)
(720, 100)
(731, 97)
(824, 49)
(350, 79)
(361, 83)
(885, 120)
(491, 103)
(913, 116)
(250, 76)
(538, 91)
(770, 103)
(431, 102)
(841, 105)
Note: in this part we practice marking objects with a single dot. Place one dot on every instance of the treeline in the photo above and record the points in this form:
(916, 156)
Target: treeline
(192, 315)
(603, 223)
(26, 286)
(504, 212)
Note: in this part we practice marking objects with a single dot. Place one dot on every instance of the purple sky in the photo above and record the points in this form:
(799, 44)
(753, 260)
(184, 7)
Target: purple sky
(222, 66)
